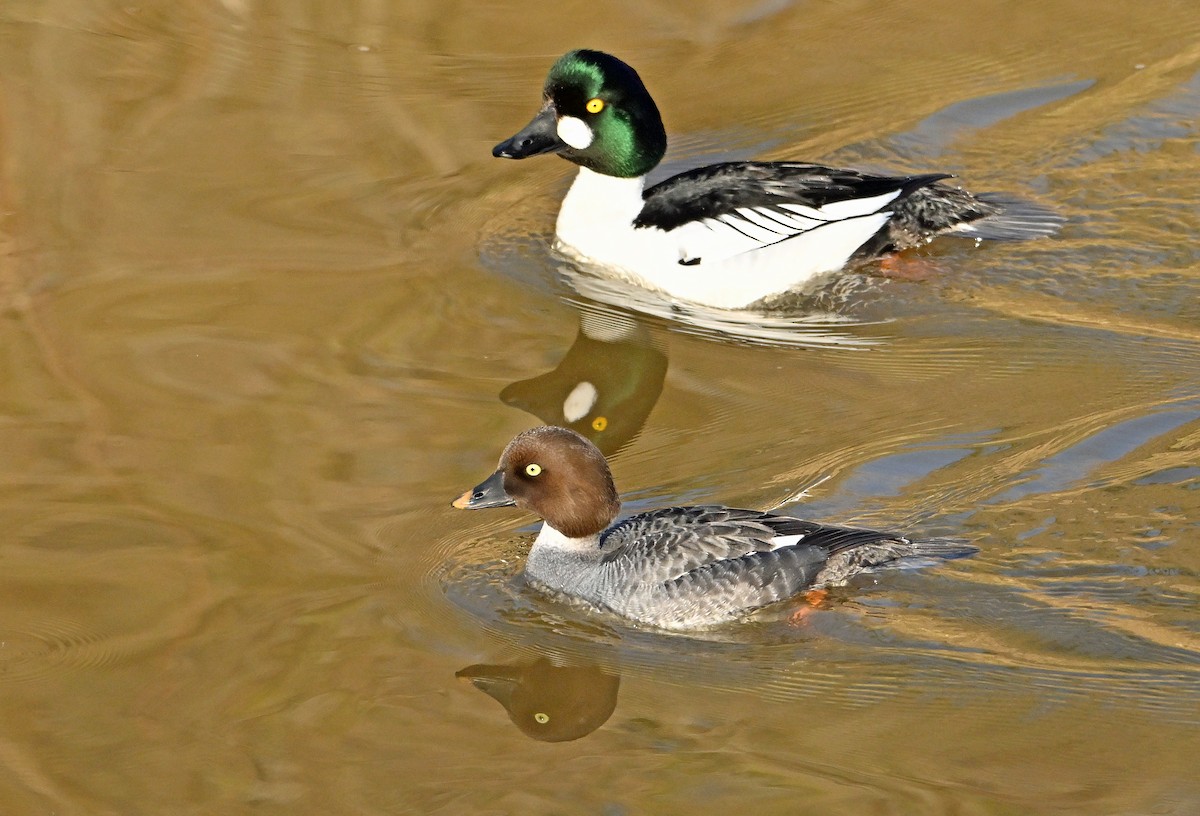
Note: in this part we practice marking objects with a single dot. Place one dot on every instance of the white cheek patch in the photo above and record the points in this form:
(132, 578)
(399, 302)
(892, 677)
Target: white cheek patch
(579, 401)
(575, 132)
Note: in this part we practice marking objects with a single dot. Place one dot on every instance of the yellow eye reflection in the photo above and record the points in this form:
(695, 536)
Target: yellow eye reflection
(533, 469)
(542, 718)
(599, 423)
(595, 105)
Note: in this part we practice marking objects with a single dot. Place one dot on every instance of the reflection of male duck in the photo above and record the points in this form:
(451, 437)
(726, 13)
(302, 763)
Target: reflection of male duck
(605, 386)
(548, 702)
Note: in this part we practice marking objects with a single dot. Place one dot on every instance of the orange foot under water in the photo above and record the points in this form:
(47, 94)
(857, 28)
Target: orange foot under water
(906, 267)
(809, 602)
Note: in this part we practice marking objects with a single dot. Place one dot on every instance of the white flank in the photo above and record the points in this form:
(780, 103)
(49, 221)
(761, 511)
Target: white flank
(848, 208)
(778, 222)
(579, 401)
(730, 262)
(575, 132)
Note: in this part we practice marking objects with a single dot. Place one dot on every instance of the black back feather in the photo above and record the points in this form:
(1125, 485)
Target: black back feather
(721, 189)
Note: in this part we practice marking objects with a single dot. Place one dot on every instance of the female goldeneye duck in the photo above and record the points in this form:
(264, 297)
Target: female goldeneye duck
(676, 568)
(731, 234)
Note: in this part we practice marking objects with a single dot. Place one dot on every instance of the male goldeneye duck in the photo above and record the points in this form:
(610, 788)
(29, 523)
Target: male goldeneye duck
(729, 234)
(676, 568)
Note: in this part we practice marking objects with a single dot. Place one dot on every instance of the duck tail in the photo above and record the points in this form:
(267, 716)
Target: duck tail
(945, 549)
(1015, 219)
(897, 552)
(926, 553)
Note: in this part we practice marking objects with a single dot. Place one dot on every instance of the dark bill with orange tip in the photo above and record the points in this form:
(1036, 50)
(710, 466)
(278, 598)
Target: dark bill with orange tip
(488, 493)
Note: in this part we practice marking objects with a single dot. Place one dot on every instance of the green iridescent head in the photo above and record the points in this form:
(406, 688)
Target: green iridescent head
(597, 113)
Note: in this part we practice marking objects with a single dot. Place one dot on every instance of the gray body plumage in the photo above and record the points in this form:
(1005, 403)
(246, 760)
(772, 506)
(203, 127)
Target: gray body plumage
(679, 567)
(693, 567)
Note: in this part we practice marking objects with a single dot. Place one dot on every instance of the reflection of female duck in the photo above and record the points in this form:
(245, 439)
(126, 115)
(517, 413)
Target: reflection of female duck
(548, 702)
(605, 386)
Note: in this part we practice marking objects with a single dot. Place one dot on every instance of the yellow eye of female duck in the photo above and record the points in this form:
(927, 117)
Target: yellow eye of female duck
(533, 469)
(542, 717)
(595, 105)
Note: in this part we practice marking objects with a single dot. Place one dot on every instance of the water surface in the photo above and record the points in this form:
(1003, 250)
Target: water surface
(267, 304)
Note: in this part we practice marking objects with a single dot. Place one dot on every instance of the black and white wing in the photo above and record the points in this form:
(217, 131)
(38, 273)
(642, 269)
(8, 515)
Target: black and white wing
(725, 209)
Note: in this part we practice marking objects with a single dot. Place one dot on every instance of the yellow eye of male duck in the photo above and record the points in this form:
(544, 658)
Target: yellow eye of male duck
(599, 423)
(533, 469)
(595, 105)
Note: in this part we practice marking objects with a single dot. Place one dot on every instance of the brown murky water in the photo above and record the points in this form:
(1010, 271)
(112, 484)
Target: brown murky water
(267, 304)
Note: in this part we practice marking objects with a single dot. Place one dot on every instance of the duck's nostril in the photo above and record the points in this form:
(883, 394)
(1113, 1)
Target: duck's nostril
(478, 494)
